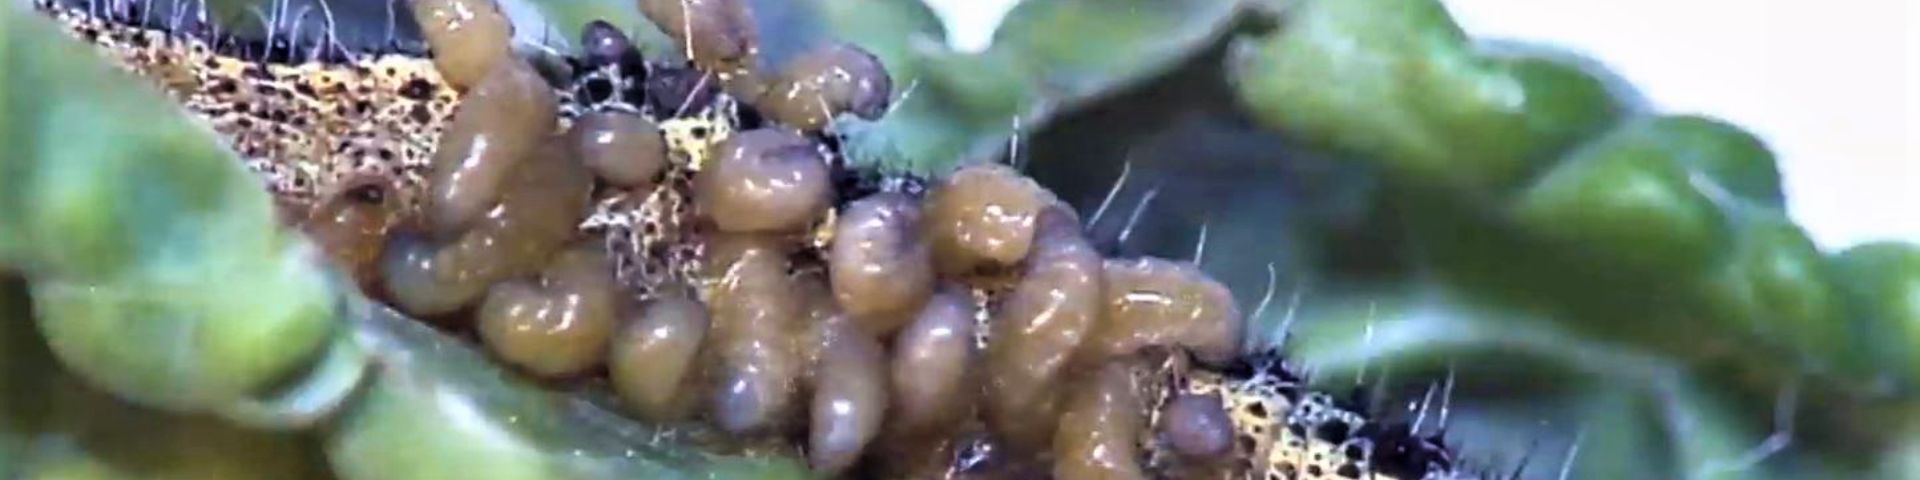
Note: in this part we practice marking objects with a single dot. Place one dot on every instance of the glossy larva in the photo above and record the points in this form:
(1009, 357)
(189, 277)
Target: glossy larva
(466, 37)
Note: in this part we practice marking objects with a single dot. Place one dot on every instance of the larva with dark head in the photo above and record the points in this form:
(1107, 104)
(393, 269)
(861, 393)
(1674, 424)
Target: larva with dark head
(723, 263)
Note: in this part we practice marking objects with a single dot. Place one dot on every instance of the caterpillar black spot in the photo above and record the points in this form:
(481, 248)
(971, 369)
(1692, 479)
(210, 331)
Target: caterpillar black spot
(346, 140)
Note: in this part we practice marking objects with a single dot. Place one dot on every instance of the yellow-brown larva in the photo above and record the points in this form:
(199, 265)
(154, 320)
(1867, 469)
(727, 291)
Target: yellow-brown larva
(1099, 427)
(936, 365)
(504, 118)
(983, 217)
(849, 399)
(757, 311)
(827, 81)
(764, 180)
(1036, 331)
(1151, 301)
(467, 37)
(540, 206)
(879, 261)
(351, 225)
(559, 324)
(654, 360)
(624, 150)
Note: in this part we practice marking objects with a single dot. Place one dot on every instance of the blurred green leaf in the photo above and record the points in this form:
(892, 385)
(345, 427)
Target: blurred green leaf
(443, 410)
(23, 359)
(53, 426)
(1902, 461)
(1776, 286)
(1727, 155)
(139, 227)
(1881, 282)
(1626, 432)
(1398, 83)
(1626, 202)
(93, 435)
(1087, 48)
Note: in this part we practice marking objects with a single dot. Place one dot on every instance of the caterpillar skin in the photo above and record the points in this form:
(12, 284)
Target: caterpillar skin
(308, 119)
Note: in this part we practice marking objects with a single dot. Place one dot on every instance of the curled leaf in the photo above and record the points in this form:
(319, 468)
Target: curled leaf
(440, 409)
(158, 271)
(1398, 83)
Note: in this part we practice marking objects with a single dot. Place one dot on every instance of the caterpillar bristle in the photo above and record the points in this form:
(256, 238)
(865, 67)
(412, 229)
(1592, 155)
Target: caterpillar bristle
(319, 119)
(307, 35)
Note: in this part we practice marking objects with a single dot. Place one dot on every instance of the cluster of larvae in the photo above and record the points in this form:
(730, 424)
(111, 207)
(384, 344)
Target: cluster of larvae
(851, 316)
(687, 233)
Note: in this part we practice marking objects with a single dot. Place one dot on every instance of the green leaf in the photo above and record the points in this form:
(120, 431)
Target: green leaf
(140, 228)
(1709, 439)
(1776, 286)
(1626, 200)
(24, 362)
(1618, 425)
(1729, 156)
(444, 410)
(1085, 48)
(1396, 82)
(1881, 283)
(921, 137)
(52, 426)
(94, 435)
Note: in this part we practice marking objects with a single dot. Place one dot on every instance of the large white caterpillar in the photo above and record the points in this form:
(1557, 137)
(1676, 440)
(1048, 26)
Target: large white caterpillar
(691, 227)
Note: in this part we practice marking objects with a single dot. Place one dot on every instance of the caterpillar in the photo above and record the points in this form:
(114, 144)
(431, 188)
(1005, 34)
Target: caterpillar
(687, 231)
